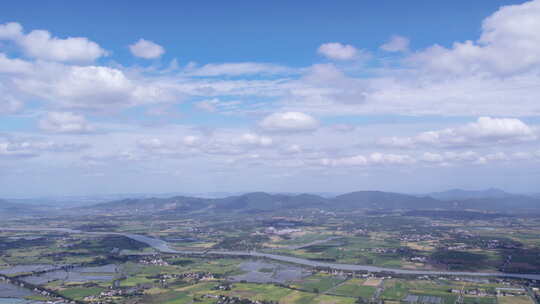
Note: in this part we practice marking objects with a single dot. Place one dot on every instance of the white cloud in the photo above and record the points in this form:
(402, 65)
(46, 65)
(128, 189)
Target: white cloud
(10, 31)
(467, 157)
(150, 143)
(223, 106)
(500, 129)
(93, 87)
(509, 44)
(65, 122)
(485, 131)
(146, 49)
(32, 147)
(371, 159)
(237, 69)
(326, 85)
(40, 44)
(289, 122)
(108, 158)
(338, 51)
(254, 139)
(14, 66)
(293, 149)
(452, 158)
(157, 147)
(191, 140)
(396, 44)
(327, 91)
(223, 143)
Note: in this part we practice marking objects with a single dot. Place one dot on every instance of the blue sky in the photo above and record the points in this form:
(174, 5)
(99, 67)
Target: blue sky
(282, 32)
(410, 96)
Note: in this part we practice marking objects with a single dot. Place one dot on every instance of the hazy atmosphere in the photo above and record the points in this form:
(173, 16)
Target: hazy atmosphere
(251, 96)
(270, 152)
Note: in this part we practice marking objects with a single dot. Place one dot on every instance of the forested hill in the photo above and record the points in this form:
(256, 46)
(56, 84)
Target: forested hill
(262, 201)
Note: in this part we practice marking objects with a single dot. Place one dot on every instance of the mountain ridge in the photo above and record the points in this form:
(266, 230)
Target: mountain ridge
(461, 194)
(263, 201)
(492, 200)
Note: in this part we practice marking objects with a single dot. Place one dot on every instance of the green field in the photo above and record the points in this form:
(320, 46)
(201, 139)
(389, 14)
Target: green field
(78, 293)
(319, 283)
(354, 288)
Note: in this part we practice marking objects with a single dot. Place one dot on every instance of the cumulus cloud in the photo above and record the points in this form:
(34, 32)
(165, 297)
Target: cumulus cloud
(254, 139)
(396, 44)
(485, 130)
(65, 122)
(325, 85)
(158, 147)
(496, 75)
(10, 31)
(237, 69)
(219, 144)
(371, 159)
(92, 87)
(42, 45)
(15, 147)
(338, 51)
(93, 159)
(289, 122)
(63, 87)
(14, 66)
(146, 49)
(448, 157)
(509, 44)
(470, 157)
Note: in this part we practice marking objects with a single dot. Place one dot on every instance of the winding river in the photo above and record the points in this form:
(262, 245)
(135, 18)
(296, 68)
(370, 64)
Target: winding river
(163, 247)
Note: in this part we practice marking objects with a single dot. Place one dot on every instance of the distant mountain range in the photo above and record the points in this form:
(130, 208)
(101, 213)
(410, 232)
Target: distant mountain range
(459, 194)
(387, 200)
(488, 200)
(11, 209)
(492, 200)
(85, 200)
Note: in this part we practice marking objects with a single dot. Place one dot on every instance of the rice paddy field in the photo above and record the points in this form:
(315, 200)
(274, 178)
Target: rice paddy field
(110, 267)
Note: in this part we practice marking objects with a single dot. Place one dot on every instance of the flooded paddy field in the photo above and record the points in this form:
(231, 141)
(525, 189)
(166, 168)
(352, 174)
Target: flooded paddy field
(266, 272)
(75, 275)
(18, 301)
(28, 268)
(13, 294)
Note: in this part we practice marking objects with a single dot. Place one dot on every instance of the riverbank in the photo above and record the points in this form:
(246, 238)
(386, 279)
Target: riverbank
(163, 247)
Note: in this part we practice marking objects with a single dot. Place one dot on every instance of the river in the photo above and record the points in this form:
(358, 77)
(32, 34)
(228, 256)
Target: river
(163, 247)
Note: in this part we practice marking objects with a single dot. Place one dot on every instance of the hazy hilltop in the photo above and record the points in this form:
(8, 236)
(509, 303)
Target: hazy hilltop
(386, 200)
(180, 203)
(490, 200)
(459, 194)
(267, 201)
(10, 209)
(493, 201)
